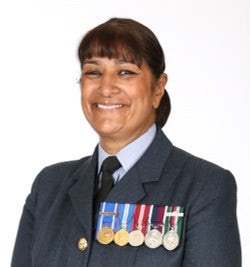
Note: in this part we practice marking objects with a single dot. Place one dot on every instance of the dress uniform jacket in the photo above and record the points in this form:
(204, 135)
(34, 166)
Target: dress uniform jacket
(58, 212)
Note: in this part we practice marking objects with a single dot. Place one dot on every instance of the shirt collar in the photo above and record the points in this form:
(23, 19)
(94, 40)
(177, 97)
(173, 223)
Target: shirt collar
(132, 152)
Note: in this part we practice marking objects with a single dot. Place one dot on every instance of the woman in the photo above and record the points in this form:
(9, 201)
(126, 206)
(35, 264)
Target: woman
(165, 207)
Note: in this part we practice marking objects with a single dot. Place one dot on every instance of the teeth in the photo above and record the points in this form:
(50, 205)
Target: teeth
(108, 107)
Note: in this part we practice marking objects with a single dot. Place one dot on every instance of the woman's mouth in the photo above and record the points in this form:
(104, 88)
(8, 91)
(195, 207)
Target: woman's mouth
(108, 106)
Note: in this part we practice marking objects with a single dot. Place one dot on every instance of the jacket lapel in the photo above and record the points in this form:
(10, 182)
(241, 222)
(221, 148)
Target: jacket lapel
(82, 191)
(131, 188)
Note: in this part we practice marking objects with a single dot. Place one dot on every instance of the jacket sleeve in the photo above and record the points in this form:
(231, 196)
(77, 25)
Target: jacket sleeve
(212, 237)
(23, 245)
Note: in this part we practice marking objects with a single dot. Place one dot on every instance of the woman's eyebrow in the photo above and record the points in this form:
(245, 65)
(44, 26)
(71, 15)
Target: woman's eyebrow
(122, 61)
(99, 62)
(93, 62)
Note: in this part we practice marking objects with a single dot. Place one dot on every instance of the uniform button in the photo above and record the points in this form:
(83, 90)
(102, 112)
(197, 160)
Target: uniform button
(82, 244)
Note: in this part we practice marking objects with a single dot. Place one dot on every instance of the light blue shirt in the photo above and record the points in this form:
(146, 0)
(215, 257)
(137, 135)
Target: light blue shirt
(130, 154)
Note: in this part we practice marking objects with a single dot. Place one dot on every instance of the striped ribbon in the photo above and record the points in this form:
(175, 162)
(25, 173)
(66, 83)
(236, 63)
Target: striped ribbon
(140, 217)
(174, 222)
(157, 217)
(126, 213)
(107, 215)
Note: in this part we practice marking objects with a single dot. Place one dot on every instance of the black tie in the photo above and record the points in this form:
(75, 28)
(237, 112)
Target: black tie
(109, 166)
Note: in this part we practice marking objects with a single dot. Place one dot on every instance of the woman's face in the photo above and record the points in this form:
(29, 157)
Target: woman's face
(119, 99)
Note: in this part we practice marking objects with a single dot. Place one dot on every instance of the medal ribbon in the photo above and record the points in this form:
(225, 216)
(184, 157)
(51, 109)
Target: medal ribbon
(126, 212)
(138, 210)
(140, 218)
(107, 215)
(160, 217)
(157, 217)
(173, 219)
(180, 221)
(174, 222)
(151, 207)
(167, 219)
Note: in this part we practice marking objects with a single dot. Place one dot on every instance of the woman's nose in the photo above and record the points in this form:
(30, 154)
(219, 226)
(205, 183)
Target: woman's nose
(108, 86)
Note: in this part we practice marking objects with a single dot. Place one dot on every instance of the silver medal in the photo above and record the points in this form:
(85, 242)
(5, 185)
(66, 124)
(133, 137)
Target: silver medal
(171, 240)
(136, 238)
(153, 239)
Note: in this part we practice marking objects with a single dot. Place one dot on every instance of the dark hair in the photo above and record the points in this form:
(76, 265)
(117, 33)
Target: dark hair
(130, 40)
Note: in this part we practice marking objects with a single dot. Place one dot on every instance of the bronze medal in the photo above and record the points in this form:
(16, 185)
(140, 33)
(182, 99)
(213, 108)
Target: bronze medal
(121, 237)
(105, 235)
(136, 238)
(170, 240)
(153, 239)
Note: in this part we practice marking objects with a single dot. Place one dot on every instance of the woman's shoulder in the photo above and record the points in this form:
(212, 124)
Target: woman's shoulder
(65, 167)
(199, 167)
(58, 175)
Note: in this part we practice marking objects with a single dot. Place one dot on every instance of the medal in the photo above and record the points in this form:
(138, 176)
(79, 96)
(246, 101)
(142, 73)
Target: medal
(173, 227)
(106, 222)
(125, 215)
(121, 237)
(153, 239)
(136, 237)
(105, 235)
(170, 240)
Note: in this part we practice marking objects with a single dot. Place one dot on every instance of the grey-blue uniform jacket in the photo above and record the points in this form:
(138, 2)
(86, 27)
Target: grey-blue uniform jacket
(58, 212)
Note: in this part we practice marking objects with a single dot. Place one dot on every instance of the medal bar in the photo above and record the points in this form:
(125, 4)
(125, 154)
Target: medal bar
(175, 214)
(108, 213)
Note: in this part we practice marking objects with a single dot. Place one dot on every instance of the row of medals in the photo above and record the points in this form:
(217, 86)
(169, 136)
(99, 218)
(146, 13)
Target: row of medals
(153, 239)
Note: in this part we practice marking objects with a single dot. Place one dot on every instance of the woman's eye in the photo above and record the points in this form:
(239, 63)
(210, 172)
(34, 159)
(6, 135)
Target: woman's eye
(126, 73)
(92, 73)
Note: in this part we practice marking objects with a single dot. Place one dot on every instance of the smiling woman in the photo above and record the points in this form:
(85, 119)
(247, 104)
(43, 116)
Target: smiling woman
(127, 42)
(138, 200)
(122, 84)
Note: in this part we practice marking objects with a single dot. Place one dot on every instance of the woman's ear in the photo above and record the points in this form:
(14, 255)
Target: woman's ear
(159, 89)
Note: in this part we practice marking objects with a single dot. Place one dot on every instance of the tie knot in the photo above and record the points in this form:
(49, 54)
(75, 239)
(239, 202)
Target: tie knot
(111, 164)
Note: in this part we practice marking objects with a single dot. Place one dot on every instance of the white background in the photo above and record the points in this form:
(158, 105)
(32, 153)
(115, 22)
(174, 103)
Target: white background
(207, 46)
